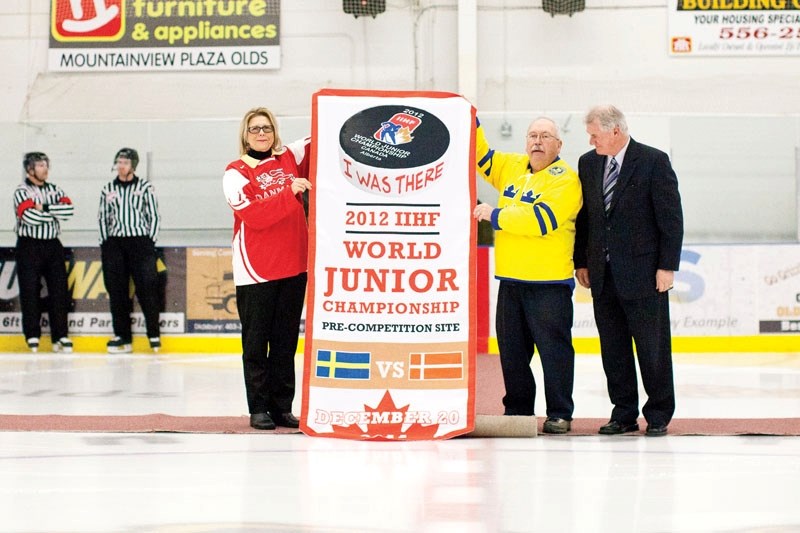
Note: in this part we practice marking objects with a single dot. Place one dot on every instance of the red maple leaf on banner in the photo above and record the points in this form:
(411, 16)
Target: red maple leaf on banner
(391, 430)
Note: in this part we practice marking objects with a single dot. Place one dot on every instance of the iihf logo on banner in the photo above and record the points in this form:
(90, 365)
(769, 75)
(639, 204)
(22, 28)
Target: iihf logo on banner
(87, 20)
(398, 129)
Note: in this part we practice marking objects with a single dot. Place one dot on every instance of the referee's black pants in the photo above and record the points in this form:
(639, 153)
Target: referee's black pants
(125, 258)
(37, 259)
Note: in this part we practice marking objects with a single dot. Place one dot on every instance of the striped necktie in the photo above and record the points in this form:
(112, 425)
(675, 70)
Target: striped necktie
(610, 182)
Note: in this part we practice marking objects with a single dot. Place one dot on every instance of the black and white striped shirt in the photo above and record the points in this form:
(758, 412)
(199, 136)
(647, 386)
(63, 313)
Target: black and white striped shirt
(129, 209)
(44, 224)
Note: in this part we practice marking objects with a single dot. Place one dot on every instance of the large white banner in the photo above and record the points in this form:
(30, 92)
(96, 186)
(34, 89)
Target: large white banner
(734, 27)
(390, 333)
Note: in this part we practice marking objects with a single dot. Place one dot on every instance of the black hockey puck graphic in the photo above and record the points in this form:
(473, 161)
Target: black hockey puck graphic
(393, 149)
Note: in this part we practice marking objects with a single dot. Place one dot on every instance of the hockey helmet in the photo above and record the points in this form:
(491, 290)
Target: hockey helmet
(128, 153)
(31, 158)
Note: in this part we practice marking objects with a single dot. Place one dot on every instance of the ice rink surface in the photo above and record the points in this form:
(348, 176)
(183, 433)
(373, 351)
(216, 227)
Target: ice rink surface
(193, 483)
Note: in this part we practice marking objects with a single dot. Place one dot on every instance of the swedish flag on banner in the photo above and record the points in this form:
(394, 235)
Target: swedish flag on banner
(343, 365)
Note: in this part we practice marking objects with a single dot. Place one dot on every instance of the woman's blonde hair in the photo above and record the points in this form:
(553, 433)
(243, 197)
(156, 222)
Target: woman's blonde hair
(277, 146)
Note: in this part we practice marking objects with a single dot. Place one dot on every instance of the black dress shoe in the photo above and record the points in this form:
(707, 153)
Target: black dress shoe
(656, 430)
(617, 428)
(261, 421)
(287, 420)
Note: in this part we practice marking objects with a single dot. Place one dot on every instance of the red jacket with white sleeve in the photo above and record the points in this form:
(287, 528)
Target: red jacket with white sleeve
(270, 232)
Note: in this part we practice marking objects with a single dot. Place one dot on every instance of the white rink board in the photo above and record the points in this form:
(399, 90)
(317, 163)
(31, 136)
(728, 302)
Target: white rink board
(720, 290)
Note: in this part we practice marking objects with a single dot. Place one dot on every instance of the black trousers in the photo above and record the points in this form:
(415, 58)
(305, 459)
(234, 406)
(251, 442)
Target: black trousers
(645, 322)
(125, 258)
(536, 315)
(37, 259)
(270, 314)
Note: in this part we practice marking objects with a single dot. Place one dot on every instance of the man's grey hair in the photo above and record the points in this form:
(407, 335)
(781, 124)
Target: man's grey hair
(553, 122)
(608, 116)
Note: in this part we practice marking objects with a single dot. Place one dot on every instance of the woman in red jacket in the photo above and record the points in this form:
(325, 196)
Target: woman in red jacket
(265, 187)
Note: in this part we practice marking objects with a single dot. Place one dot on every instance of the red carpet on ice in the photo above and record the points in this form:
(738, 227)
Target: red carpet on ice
(489, 402)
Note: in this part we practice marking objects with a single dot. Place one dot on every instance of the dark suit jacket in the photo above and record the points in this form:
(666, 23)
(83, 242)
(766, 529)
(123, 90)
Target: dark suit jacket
(643, 231)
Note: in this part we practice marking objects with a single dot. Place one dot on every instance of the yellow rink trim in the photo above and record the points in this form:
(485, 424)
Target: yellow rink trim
(754, 343)
(233, 344)
(169, 344)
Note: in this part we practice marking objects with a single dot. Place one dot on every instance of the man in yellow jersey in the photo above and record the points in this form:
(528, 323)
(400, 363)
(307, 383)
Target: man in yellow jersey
(534, 223)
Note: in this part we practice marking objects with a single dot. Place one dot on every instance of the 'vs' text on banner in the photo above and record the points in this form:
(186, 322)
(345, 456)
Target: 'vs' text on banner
(390, 344)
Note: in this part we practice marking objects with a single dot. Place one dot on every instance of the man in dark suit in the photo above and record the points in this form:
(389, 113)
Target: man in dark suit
(627, 248)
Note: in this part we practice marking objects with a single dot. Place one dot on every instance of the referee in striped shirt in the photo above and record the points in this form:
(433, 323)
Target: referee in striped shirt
(40, 207)
(129, 224)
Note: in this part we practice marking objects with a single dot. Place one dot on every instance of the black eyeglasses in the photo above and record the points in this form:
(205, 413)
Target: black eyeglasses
(255, 129)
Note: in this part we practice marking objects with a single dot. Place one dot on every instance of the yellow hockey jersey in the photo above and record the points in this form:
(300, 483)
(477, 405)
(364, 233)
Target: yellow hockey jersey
(534, 220)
